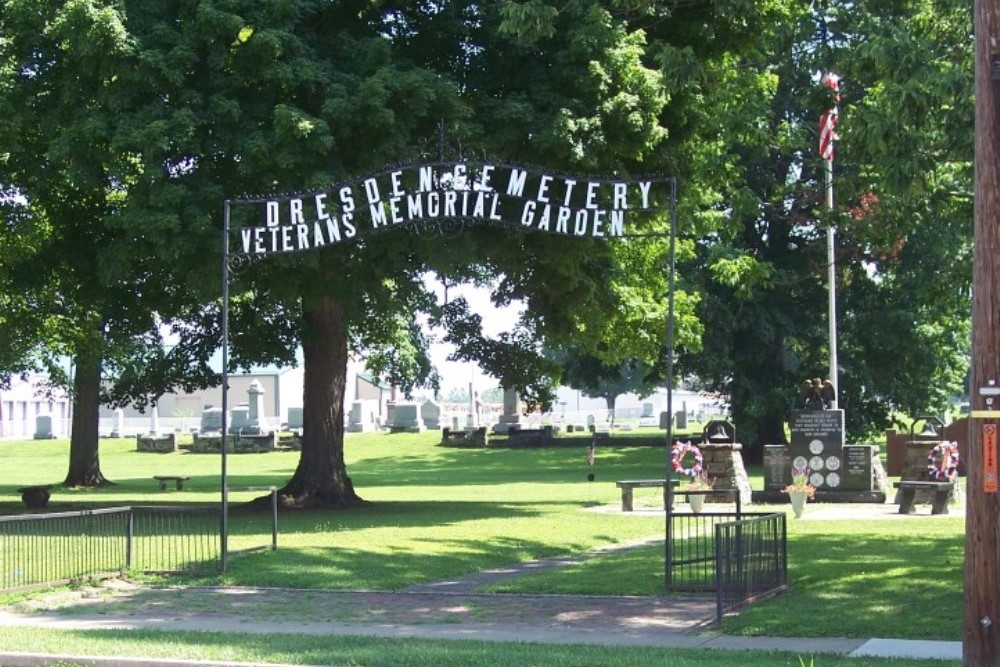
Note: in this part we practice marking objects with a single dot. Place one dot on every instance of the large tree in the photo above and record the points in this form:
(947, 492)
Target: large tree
(82, 283)
(903, 216)
(331, 91)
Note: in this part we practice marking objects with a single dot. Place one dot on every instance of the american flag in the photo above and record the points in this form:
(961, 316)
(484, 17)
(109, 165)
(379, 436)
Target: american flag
(828, 121)
(590, 455)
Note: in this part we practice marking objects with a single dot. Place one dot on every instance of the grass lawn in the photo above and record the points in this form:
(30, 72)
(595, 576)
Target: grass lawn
(438, 513)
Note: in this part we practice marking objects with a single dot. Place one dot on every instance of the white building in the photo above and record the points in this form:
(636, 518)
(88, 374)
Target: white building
(26, 401)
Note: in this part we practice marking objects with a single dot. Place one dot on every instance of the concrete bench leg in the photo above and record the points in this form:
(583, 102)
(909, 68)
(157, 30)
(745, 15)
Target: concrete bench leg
(940, 504)
(163, 485)
(906, 500)
(626, 499)
(180, 484)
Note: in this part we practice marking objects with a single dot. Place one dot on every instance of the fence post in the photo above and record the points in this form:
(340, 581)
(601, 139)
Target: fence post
(274, 518)
(129, 534)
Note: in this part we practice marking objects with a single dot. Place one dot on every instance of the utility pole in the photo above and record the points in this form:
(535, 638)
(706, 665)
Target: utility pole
(981, 640)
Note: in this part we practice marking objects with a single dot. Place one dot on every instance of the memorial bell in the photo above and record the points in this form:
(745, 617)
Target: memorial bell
(719, 432)
(933, 428)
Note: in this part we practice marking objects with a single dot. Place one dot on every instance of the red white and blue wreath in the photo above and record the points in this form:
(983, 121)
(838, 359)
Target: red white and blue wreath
(942, 462)
(682, 451)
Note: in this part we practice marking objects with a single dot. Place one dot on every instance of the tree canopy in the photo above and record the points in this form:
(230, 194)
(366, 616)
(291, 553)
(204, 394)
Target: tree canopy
(132, 121)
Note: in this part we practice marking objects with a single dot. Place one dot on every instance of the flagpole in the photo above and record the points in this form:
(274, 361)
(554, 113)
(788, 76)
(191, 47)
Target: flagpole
(827, 136)
(831, 283)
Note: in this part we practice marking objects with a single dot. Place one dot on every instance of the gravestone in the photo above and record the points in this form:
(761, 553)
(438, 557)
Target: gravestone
(154, 421)
(430, 413)
(817, 442)
(239, 418)
(777, 467)
(294, 419)
(43, 427)
(119, 424)
(664, 420)
(647, 411)
(255, 411)
(858, 472)
(211, 420)
(406, 418)
(682, 419)
(510, 420)
(362, 416)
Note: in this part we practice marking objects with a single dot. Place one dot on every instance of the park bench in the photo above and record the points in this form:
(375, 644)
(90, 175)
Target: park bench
(908, 495)
(35, 497)
(178, 481)
(629, 485)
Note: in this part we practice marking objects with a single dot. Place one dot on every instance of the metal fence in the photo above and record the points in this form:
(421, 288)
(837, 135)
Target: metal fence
(738, 556)
(39, 549)
(751, 561)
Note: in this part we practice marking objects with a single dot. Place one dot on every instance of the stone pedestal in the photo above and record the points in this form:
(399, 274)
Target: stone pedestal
(156, 443)
(235, 444)
(464, 438)
(723, 465)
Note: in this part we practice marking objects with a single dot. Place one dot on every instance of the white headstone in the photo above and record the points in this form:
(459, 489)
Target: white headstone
(211, 420)
(363, 416)
(154, 421)
(239, 418)
(255, 413)
(294, 418)
(430, 413)
(406, 417)
(43, 427)
(119, 426)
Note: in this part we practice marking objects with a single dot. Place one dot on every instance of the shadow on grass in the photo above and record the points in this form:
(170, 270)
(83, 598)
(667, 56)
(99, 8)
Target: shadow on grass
(895, 584)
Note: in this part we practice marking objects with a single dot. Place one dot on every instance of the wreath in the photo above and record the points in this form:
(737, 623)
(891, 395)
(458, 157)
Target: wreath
(678, 454)
(942, 462)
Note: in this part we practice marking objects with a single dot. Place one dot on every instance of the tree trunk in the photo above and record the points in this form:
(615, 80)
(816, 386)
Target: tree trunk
(611, 399)
(321, 477)
(84, 462)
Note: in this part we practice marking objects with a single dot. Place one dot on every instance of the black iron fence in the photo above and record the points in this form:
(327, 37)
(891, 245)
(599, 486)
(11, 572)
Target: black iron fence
(59, 547)
(751, 561)
(738, 556)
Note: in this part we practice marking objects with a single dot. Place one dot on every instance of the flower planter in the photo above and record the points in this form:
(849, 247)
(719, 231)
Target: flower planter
(798, 499)
(696, 501)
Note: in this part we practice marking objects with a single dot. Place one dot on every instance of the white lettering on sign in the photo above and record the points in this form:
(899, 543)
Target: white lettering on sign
(487, 192)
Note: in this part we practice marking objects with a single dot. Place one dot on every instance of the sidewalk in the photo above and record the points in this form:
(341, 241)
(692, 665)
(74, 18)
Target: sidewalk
(557, 619)
(544, 619)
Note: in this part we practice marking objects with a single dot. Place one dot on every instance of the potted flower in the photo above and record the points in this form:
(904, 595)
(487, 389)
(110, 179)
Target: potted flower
(698, 483)
(800, 490)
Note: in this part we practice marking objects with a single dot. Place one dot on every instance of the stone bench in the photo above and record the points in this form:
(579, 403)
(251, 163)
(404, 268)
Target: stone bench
(178, 481)
(35, 497)
(908, 495)
(629, 485)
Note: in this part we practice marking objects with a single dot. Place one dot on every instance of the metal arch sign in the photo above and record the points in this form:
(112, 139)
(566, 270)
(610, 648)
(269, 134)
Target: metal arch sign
(483, 191)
